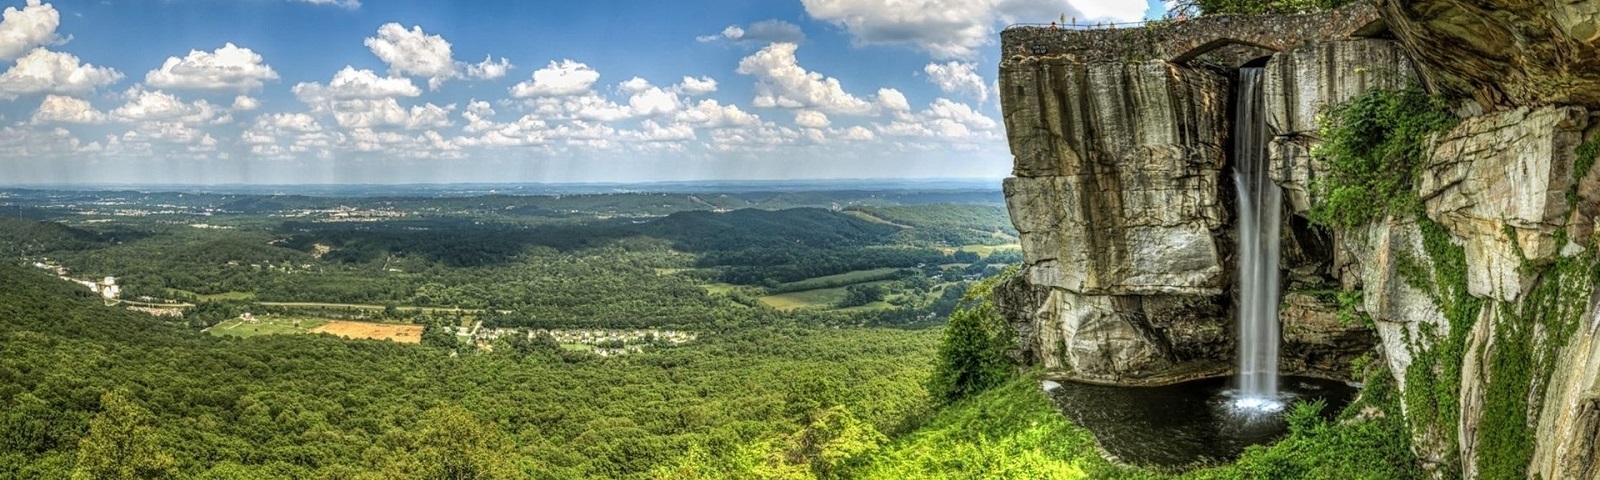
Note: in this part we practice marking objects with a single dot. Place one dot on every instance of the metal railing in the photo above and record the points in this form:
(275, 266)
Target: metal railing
(1077, 26)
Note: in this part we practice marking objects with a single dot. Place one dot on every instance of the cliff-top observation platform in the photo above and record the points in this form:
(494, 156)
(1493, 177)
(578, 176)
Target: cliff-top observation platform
(1227, 40)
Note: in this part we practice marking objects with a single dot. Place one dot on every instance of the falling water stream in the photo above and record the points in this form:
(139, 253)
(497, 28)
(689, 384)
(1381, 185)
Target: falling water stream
(1260, 202)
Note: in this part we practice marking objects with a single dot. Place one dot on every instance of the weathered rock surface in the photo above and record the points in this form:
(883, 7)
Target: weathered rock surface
(1316, 341)
(1504, 53)
(1300, 83)
(1401, 311)
(1116, 189)
(1499, 182)
(1569, 423)
(1129, 340)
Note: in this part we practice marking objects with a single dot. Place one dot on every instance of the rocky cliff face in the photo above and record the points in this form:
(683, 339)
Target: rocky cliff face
(1505, 52)
(1121, 201)
(1116, 199)
(1486, 307)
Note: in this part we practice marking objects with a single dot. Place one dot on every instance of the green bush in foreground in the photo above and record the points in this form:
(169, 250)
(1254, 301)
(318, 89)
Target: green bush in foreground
(972, 358)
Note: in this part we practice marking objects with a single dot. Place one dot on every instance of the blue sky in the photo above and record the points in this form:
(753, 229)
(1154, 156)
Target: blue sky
(349, 91)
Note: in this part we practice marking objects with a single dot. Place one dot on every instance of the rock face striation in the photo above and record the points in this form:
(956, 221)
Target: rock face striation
(1124, 204)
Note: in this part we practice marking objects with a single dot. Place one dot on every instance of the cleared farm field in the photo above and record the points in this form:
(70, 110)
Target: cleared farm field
(373, 331)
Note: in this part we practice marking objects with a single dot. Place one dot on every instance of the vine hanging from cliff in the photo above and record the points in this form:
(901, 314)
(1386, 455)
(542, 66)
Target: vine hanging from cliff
(1373, 146)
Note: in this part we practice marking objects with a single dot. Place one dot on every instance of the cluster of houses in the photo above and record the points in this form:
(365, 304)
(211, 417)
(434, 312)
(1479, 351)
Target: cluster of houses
(605, 342)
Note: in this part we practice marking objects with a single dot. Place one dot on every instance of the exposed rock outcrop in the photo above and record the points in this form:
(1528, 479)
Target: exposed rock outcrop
(1506, 175)
(1116, 199)
(1504, 53)
(1126, 219)
(1301, 83)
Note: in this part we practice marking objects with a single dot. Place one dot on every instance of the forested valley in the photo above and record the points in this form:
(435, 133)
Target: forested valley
(610, 336)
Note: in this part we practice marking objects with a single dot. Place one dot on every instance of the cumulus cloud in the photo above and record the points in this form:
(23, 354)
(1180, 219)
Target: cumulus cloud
(811, 119)
(345, 4)
(44, 71)
(23, 30)
(562, 78)
(414, 52)
(245, 103)
(712, 114)
(352, 84)
(955, 28)
(943, 119)
(765, 31)
(226, 68)
(61, 109)
(782, 82)
(958, 78)
(489, 68)
(155, 105)
(892, 101)
(692, 86)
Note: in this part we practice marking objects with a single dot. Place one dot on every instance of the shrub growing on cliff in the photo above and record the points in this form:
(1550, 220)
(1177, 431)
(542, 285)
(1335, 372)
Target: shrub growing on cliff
(972, 357)
(1373, 147)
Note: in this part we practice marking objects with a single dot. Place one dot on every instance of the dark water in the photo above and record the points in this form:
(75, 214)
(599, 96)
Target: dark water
(1187, 423)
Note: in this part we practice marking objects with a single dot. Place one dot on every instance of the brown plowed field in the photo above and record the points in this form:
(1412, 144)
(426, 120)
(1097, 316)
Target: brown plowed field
(373, 331)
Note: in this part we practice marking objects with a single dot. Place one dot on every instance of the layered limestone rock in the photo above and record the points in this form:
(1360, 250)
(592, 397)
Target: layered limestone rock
(1504, 53)
(1500, 183)
(1116, 197)
(1569, 423)
(1117, 166)
(1302, 82)
(1323, 344)
(1504, 187)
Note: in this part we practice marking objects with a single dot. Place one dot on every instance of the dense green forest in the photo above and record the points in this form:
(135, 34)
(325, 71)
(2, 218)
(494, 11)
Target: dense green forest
(319, 407)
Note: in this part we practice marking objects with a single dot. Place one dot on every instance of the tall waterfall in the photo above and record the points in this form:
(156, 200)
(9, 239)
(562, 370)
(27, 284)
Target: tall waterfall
(1260, 206)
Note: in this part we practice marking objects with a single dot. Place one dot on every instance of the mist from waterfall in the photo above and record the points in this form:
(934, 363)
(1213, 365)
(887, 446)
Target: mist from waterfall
(1260, 204)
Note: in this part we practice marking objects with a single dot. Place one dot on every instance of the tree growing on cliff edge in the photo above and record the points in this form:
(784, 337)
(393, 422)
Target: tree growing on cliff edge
(972, 357)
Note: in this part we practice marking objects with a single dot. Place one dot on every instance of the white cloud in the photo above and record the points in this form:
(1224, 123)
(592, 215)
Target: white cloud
(781, 82)
(943, 119)
(892, 101)
(765, 31)
(692, 86)
(23, 30)
(158, 106)
(1113, 10)
(562, 78)
(226, 68)
(345, 4)
(956, 28)
(352, 84)
(412, 52)
(245, 103)
(44, 71)
(958, 78)
(59, 109)
(633, 85)
(648, 100)
(811, 119)
(489, 69)
(711, 114)
(387, 112)
(859, 133)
